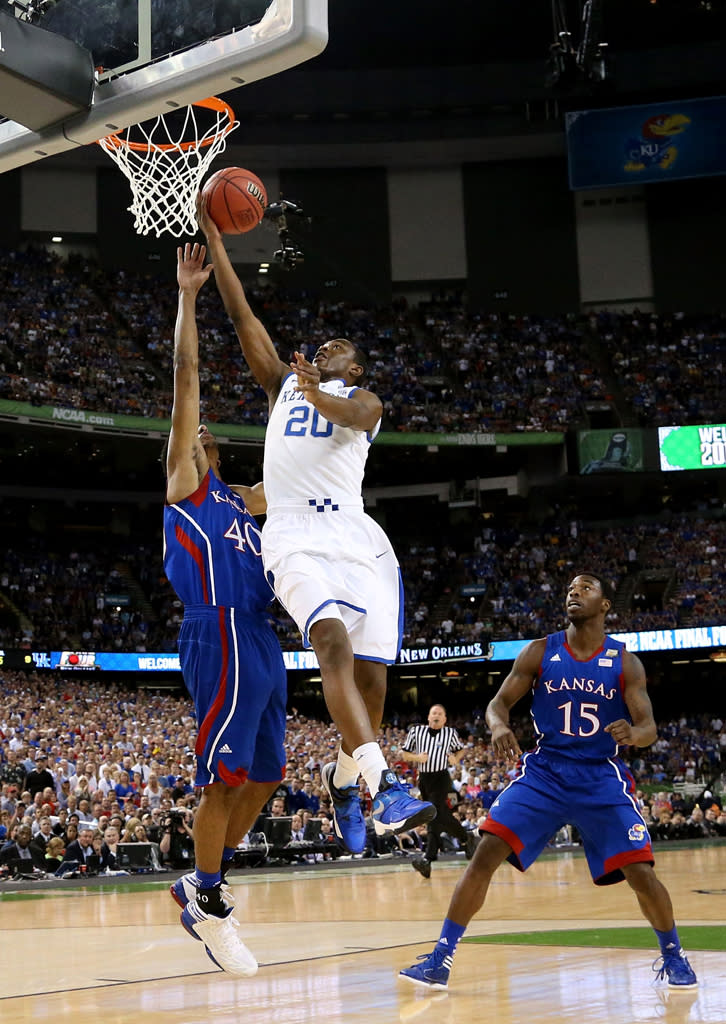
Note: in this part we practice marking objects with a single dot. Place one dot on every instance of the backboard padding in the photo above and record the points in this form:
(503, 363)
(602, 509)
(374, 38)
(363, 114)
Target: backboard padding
(291, 32)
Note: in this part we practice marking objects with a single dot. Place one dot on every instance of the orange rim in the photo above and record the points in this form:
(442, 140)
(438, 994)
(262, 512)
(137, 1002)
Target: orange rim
(212, 103)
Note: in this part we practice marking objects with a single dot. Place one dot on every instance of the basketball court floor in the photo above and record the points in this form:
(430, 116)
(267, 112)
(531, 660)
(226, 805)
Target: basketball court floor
(331, 942)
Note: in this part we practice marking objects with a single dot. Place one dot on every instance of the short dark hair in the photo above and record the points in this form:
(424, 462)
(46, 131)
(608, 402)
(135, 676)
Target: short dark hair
(608, 590)
(359, 354)
(361, 357)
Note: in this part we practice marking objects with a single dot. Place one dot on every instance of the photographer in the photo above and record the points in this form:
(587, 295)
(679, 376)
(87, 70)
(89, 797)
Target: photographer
(177, 841)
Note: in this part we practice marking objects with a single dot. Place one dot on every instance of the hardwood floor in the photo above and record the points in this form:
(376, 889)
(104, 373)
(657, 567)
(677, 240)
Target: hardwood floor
(330, 944)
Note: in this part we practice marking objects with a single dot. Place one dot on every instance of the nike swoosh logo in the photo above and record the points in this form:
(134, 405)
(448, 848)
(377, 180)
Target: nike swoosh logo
(382, 554)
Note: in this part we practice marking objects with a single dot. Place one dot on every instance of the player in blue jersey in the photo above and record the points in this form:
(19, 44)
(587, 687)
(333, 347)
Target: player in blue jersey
(331, 565)
(589, 698)
(229, 654)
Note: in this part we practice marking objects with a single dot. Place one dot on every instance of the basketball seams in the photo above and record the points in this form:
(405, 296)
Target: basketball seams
(232, 202)
(249, 211)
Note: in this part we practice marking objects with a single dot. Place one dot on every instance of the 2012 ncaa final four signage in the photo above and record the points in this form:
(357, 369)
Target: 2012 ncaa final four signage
(694, 447)
(692, 637)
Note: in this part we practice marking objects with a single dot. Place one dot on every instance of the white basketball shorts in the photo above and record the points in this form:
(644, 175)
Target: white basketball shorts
(339, 565)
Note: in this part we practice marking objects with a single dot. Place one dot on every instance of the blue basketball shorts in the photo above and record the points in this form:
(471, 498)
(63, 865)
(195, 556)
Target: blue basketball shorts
(598, 798)
(235, 674)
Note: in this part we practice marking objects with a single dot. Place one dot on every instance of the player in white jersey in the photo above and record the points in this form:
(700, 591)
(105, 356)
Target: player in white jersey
(330, 564)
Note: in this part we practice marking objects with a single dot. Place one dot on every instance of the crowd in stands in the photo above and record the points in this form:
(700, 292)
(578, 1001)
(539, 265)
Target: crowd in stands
(115, 596)
(97, 765)
(75, 336)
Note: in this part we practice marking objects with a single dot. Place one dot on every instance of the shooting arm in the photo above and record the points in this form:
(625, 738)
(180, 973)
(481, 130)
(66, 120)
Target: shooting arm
(261, 355)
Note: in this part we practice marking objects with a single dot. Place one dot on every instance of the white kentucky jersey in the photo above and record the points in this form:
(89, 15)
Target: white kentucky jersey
(311, 464)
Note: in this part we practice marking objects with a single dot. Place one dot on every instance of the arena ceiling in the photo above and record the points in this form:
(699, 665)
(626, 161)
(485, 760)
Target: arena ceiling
(409, 33)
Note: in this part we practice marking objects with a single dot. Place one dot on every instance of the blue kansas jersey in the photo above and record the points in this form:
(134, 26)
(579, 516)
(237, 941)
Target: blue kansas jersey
(574, 700)
(573, 776)
(212, 550)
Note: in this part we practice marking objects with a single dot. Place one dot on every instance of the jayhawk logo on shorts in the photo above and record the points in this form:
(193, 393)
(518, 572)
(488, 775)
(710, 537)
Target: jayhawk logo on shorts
(637, 833)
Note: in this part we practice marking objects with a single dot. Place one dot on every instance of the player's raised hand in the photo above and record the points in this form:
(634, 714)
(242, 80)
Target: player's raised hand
(190, 270)
(308, 375)
(205, 222)
(621, 731)
(505, 743)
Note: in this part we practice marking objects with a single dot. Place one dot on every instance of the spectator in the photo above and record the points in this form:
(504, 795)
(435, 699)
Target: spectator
(21, 849)
(109, 848)
(81, 849)
(37, 779)
(54, 855)
(177, 841)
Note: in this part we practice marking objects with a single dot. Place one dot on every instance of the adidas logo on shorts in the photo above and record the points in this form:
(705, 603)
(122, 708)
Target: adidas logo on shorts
(225, 749)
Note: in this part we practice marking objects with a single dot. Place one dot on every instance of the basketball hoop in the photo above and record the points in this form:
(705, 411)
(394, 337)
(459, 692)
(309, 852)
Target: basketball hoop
(165, 161)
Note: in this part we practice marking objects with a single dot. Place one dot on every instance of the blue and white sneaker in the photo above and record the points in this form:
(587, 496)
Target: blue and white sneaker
(394, 810)
(221, 940)
(348, 821)
(676, 967)
(185, 889)
(433, 971)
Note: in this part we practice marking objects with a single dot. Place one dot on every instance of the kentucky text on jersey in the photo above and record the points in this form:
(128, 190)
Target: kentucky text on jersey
(308, 459)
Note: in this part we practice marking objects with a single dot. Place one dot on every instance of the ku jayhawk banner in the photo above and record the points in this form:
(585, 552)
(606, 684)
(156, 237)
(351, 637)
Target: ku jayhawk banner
(648, 143)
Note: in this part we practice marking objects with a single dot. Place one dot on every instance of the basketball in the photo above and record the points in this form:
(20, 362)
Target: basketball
(236, 200)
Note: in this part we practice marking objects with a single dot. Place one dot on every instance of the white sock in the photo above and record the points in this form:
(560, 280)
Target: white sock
(371, 764)
(346, 771)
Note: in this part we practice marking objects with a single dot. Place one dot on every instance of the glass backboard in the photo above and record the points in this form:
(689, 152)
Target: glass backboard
(156, 55)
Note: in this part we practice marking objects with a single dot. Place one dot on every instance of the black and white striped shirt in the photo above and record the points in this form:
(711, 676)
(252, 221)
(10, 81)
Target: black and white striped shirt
(437, 743)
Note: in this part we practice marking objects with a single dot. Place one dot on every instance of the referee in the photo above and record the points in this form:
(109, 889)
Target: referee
(434, 747)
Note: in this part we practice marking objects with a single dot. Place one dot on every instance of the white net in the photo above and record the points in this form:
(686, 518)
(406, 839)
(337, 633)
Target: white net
(165, 161)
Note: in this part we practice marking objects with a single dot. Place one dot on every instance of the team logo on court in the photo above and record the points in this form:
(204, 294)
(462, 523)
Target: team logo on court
(637, 833)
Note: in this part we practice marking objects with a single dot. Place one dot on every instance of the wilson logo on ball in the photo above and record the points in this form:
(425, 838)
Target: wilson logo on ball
(235, 200)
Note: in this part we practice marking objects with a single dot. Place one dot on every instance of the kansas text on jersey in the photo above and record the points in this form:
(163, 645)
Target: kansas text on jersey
(212, 550)
(574, 700)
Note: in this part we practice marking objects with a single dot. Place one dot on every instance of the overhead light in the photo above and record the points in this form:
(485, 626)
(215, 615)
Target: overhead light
(263, 270)
(57, 238)
(264, 265)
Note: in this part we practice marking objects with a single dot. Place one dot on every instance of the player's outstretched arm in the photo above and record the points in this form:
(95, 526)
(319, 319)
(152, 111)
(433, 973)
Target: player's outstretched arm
(515, 686)
(253, 497)
(186, 461)
(642, 731)
(261, 355)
